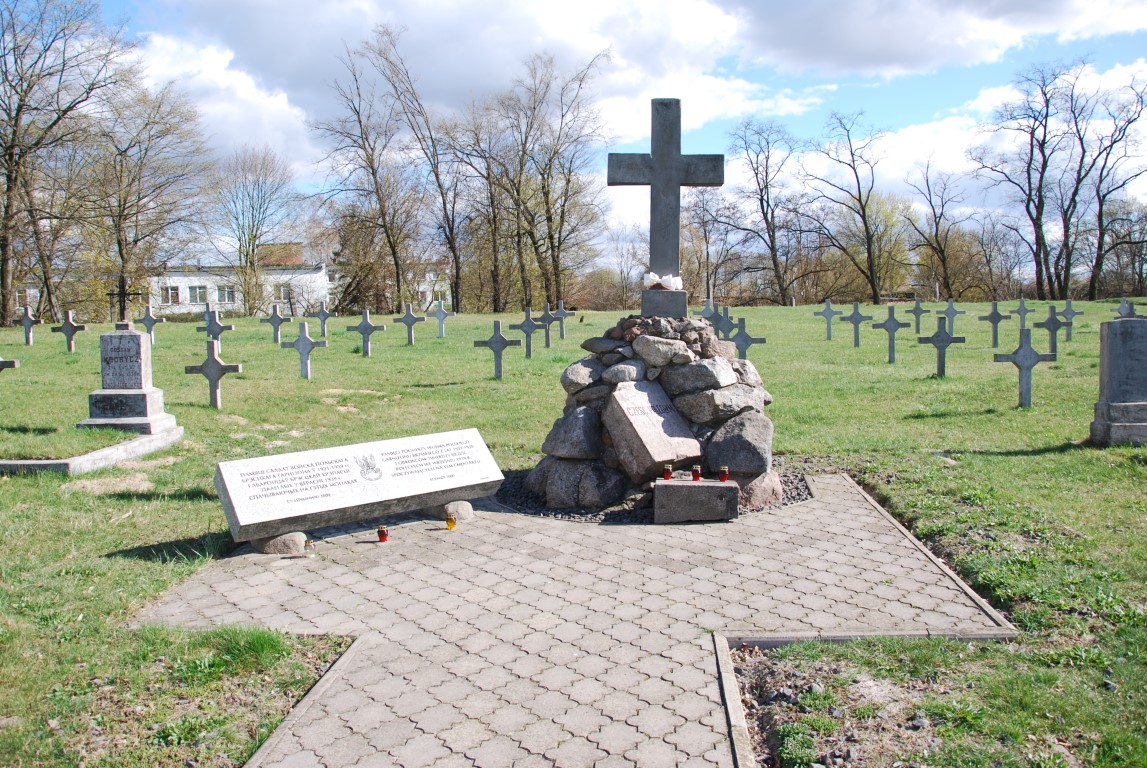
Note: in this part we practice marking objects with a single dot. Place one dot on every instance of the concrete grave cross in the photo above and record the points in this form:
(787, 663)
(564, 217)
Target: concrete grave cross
(665, 170)
(856, 319)
(214, 328)
(828, 313)
(722, 323)
(322, 316)
(1053, 325)
(1025, 358)
(547, 319)
(918, 311)
(440, 314)
(29, 323)
(705, 311)
(69, 329)
(213, 369)
(528, 327)
(1125, 309)
(951, 312)
(276, 320)
(941, 340)
(1023, 311)
(891, 326)
(995, 317)
(1069, 314)
(303, 345)
(498, 344)
(6, 364)
(409, 320)
(743, 340)
(366, 328)
(561, 313)
(149, 321)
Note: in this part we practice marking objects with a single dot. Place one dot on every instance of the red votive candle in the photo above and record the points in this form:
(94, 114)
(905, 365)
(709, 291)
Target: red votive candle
(723, 474)
(383, 534)
(696, 471)
(667, 472)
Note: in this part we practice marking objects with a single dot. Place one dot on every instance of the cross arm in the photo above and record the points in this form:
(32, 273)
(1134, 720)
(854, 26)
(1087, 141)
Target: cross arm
(627, 169)
(703, 170)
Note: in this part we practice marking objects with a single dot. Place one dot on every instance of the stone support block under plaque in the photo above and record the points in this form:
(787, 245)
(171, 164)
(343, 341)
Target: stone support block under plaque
(660, 303)
(687, 501)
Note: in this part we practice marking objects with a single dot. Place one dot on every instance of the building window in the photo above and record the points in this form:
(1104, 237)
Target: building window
(282, 292)
(197, 294)
(226, 294)
(22, 297)
(169, 295)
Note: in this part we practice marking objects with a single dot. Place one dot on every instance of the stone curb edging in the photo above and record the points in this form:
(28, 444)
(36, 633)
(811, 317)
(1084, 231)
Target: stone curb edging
(739, 742)
(284, 729)
(100, 459)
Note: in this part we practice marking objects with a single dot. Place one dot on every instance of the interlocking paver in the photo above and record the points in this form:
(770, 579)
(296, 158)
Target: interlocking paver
(524, 641)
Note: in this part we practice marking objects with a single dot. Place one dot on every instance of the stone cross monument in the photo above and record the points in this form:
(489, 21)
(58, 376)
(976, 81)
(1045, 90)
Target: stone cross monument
(665, 170)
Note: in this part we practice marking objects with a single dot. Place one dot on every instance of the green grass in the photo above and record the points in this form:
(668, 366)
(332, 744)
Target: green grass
(1052, 532)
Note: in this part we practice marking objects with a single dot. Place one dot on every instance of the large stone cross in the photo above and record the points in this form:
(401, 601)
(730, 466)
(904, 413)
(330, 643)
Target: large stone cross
(951, 312)
(409, 320)
(665, 170)
(214, 328)
(528, 326)
(856, 319)
(69, 328)
(828, 313)
(941, 340)
(213, 369)
(29, 323)
(366, 328)
(561, 313)
(303, 345)
(321, 315)
(918, 311)
(149, 321)
(276, 321)
(440, 314)
(547, 318)
(723, 324)
(1025, 358)
(743, 340)
(995, 317)
(891, 326)
(1069, 314)
(1053, 325)
(1125, 309)
(498, 344)
(1023, 311)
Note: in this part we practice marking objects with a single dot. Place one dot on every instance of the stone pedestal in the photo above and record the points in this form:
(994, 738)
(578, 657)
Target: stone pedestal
(663, 303)
(127, 400)
(1121, 413)
(685, 501)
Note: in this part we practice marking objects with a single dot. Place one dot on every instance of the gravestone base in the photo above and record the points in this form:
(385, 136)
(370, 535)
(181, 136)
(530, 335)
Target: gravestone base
(1120, 424)
(661, 303)
(689, 501)
(131, 410)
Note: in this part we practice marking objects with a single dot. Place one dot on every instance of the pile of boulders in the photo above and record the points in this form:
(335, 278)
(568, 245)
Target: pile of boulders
(720, 398)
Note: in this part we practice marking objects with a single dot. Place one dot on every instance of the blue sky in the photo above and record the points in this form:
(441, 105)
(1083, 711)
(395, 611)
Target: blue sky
(926, 71)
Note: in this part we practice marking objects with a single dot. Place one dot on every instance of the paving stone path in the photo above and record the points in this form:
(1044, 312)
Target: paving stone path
(517, 640)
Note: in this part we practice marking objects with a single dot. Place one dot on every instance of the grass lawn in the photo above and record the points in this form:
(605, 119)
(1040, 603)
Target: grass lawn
(1052, 532)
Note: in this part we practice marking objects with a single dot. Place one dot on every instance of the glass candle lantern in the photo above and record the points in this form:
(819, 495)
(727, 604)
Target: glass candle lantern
(383, 534)
(696, 471)
(451, 521)
(667, 471)
(723, 474)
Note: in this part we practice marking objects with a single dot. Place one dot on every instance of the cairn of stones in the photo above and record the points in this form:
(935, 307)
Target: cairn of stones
(705, 407)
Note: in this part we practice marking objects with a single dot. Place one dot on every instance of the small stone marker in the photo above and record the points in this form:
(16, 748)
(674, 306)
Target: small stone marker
(1053, 324)
(29, 323)
(6, 364)
(647, 431)
(941, 340)
(497, 344)
(856, 319)
(705, 311)
(743, 340)
(1121, 411)
(951, 312)
(322, 316)
(918, 311)
(722, 323)
(213, 369)
(995, 317)
(127, 400)
(69, 329)
(1023, 311)
(683, 501)
(547, 319)
(828, 313)
(440, 314)
(214, 328)
(1125, 309)
(1069, 314)
(149, 321)
(366, 328)
(1025, 358)
(410, 320)
(528, 327)
(272, 495)
(891, 326)
(561, 313)
(276, 320)
(303, 345)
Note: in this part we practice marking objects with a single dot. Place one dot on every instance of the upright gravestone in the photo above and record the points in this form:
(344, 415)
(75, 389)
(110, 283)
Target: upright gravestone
(29, 323)
(951, 312)
(276, 321)
(127, 400)
(149, 321)
(410, 320)
(828, 313)
(547, 319)
(1053, 324)
(1069, 314)
(856, 319)
(1022, 311)
(995, 317)
(891, 326)
(498, 344)
(214, 329)
(365, 328)
(918, 312)
(69, 328)
(528, 327)
(647, 431)
(743, 340)
(322, 315)
(941, 340)
(1121, 412)
(213, 369)
(1025, 358)
(1125, 309)
(440, 314)
(665, 170)
(561, 313)
(303, 345)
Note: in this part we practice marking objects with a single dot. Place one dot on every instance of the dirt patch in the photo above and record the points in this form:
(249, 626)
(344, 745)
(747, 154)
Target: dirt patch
(270, 427)
(346, 409)
(166, 461)
(230, 418)
(352, 392)
(134, 483)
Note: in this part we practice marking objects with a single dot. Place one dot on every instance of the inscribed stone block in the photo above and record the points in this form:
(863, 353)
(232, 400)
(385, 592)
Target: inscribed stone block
(647, 430)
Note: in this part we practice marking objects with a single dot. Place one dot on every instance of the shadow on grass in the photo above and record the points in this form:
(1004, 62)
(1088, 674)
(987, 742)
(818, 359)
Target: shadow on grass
(30, 430)
(183, 494)
(209, 546)
(950, 414)
(1045, 450)
(437, 385)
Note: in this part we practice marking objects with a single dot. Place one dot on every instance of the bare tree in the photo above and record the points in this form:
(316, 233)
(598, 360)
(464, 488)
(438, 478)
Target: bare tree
(55, 55)
(936, 234)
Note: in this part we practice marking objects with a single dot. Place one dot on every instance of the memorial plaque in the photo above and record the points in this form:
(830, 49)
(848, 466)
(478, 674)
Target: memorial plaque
(124, 364)
(647, 431)
(272, 495)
